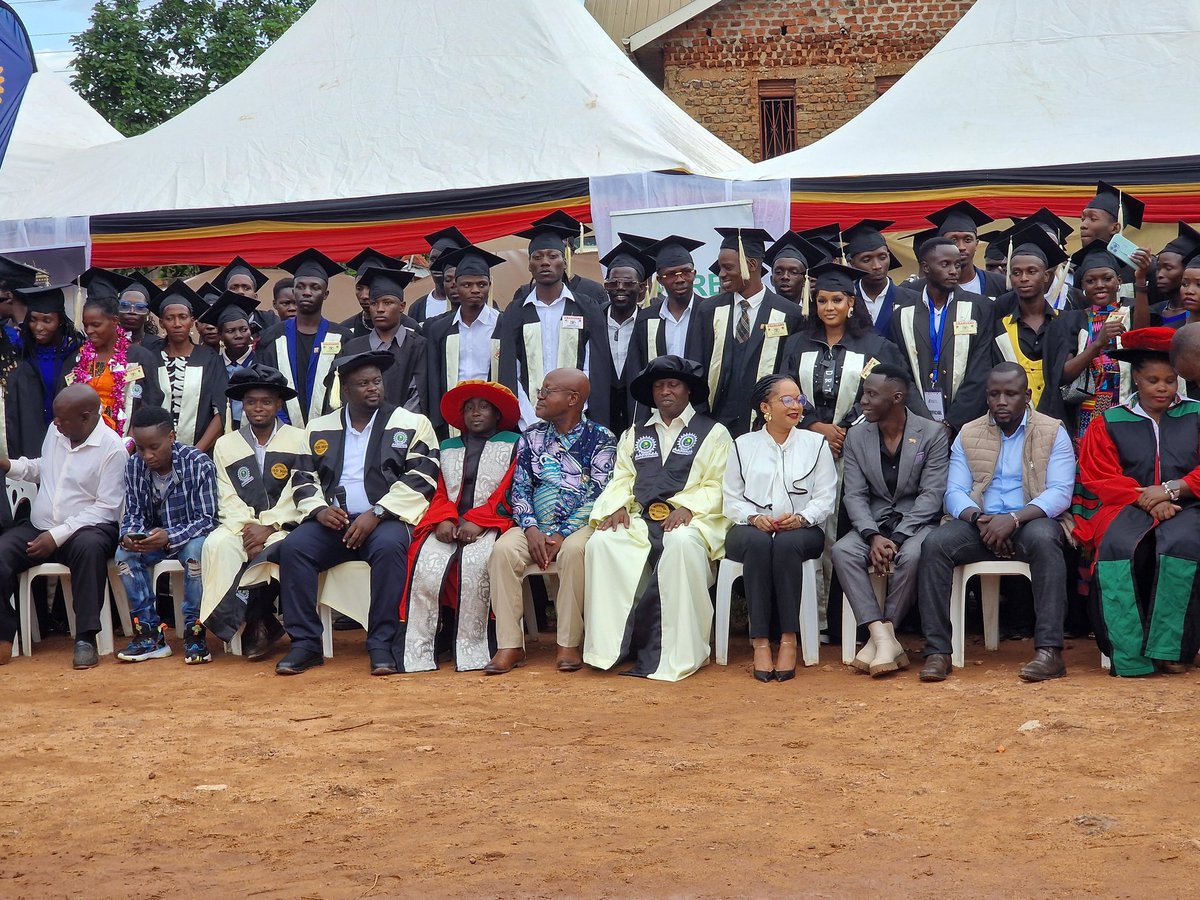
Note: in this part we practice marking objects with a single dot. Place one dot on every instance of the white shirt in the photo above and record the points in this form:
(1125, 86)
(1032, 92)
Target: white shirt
(976, 285)
(475, 344)
(550, 316)
(668, 434)
(936, 315)
(772, 479)
(675, 334)
(619, 334)
(874, 304)
(755, 301)
(353, 463)
(78, 486)
(435, 307)
(260, 450)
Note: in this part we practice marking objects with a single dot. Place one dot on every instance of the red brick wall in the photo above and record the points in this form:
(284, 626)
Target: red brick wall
(834, 49)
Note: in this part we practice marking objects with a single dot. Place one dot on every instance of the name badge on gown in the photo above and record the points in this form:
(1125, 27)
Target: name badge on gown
(965, 327)
(330, 348)
(575, 323)
(134, 372)
(937, 411)
(776, 329)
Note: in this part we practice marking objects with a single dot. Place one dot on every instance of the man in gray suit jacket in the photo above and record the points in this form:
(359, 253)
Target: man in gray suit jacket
(894, 481)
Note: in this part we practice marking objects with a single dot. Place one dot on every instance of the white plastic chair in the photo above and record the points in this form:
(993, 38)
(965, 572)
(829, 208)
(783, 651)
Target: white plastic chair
(989, 573)
(810, 640)
(29, 629)
(879, 584)
(170, 567)
(358, 569)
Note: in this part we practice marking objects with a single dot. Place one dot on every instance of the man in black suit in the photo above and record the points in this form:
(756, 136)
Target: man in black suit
(545, 269)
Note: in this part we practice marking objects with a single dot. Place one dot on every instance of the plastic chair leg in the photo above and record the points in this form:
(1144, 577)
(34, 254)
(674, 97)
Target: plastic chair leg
(989, 592)
(810, 638)
(727, 573)
(958, 620)
(327, 631)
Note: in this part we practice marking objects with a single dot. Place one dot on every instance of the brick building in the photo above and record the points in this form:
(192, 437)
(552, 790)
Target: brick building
(769, 76)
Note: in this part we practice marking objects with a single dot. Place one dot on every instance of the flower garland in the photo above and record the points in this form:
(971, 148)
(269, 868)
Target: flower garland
(87, 369)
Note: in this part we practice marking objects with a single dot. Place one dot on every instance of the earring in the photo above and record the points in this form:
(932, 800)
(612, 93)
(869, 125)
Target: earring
(767, 416)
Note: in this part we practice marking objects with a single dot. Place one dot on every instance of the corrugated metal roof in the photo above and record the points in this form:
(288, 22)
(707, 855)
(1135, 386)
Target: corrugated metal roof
(622, 18)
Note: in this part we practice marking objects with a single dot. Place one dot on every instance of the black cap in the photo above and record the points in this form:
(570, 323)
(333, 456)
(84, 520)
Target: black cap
(142, 285)
(960, 216)
(446, 239)
(1186, 244)
(793, 246)
(17, 275)
(997, 243)
(831, 276)
(255, 377)
(673, 251)
(715, 268)
(826, 238)
(386, 282)
(46, 299)
(1048, 220)
(209, 293)
(178, 293)
(553, 232)
(1193, 261)
(751, 241)
(372, 259)
(1111, 199)
(311, 263)
(867, 235)
(472, 260)
(639, 241)
(686, 370)
(101, 283)
(919, 239)
(240, 267)
(345, 365)
(1033, 240)
(229, 307)
(1094, 256)
(626, 254)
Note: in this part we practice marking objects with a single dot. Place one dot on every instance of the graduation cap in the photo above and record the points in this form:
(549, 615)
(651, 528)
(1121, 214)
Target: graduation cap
(672, 251)
(17, 275)
(827, 238)
(209, 293)
(997, 244)
(103, 283)
(557, 231)
(229, 307)
(386, 282)
(258, 376)
(1033, 240)
(45, 299)
(750, 243)
(178, 294)
(638, 241)
(1186, 244)
(472, 260)
(793, 246)
(240, 267)
(1048, 220)
(372, 259)
(345, 366)
(628, 254)
(1192, 261)
(1095, 255)
(920, 238)
(831, 276)
(1126, 209)
(142, 286)
(311, 263)
(441, 241)
(960, 216)
(867, 235)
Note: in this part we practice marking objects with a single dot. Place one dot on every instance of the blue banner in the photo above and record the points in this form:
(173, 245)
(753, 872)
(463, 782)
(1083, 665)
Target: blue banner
(16, 68)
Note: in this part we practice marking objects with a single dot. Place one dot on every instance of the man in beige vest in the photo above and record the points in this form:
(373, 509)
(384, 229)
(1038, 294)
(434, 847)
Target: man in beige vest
(1012, 473)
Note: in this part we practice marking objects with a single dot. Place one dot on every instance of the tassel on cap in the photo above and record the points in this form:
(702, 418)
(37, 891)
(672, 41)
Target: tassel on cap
(1060, 279)
(1008, 266)
(743, 268)
(805, 296)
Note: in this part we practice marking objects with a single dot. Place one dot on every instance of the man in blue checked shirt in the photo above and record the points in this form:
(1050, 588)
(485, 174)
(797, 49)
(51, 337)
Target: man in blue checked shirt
(563, 463)
(170, 507)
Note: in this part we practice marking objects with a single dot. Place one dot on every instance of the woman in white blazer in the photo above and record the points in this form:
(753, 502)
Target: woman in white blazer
(780, 481)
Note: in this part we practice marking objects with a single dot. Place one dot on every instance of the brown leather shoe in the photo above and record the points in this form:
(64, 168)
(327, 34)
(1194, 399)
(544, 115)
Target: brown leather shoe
(1047, 663)
(505, 661)
(570, 659)
(937, 667)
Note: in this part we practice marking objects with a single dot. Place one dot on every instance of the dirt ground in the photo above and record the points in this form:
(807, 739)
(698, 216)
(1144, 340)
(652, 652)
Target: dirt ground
(225, 780)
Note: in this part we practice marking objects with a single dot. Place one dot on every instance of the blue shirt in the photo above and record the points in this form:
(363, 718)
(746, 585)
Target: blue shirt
(1006, 493)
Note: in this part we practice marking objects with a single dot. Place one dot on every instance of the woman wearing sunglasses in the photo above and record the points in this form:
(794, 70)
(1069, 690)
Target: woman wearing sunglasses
(780, 482)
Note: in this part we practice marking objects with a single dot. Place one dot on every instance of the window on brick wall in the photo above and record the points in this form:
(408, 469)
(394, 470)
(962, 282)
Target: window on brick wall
(883, 84)
(777, 117)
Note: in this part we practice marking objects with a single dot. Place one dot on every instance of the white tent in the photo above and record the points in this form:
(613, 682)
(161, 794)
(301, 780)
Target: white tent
(372, 98)
(1021, 83)
(53, 121)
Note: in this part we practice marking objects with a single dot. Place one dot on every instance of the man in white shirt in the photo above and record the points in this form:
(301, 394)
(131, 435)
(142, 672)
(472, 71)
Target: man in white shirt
(74, 517)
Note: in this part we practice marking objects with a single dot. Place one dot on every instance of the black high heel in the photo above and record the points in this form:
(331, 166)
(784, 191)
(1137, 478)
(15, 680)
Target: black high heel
(766, 676)
(784, 676)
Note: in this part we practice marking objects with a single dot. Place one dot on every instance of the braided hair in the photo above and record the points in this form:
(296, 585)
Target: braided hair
(762, 393)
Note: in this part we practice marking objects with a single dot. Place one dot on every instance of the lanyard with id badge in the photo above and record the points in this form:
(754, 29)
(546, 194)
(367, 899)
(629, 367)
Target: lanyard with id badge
(933, 396)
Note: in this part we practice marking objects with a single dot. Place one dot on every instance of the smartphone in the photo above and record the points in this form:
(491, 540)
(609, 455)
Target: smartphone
(136, 536)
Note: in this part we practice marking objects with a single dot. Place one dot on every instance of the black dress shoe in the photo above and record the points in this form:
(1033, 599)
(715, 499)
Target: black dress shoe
(345, 623)
(299, 660)
(267, 633)
(86, 656)
(382, 663)
(1047, 663)
(937, 667)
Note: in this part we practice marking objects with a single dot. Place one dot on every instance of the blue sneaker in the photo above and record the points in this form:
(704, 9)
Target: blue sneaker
(195, 647)
(146, 644)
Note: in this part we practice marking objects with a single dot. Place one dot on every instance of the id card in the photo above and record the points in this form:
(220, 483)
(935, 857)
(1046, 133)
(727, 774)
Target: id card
(965, 327)
(134, 373)
(869, 367)
(330, 348)
(933, 400)
(575, 323)
(1120, 314)
(776, 329)
(1122, 248)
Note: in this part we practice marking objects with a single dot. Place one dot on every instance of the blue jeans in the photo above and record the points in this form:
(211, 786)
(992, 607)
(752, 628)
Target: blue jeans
(135, 570)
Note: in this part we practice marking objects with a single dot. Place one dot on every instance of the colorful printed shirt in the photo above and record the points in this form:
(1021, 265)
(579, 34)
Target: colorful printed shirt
(559, 476)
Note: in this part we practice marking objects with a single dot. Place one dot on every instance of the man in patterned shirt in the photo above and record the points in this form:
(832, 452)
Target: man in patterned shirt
(563, 463)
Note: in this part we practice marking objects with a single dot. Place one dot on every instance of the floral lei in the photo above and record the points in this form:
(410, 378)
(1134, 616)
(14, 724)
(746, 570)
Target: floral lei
(86, 369)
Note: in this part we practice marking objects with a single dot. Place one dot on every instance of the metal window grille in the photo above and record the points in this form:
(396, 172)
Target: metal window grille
(777, 117)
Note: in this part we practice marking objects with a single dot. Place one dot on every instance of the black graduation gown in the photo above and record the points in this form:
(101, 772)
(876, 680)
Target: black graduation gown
(262, 319)
(649, 342)
(1058, 341)
(438, 333)
(273, 350)
(578, 285)
(203, 398)
(801, 355)
(734, 368)
(419, 311)
(409, 369)
(883, 325)
(994, 284)
(971, 356)
(24, 410)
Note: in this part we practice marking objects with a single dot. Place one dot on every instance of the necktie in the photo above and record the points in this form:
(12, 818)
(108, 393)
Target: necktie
(742, 334)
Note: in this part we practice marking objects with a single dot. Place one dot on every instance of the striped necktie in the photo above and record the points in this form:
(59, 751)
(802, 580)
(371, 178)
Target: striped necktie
(742, 334)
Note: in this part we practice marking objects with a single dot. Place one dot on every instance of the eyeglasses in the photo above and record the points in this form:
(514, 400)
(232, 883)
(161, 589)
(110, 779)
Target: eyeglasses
(543, 393)
(791, 402)
(621, 285)
(126, 306)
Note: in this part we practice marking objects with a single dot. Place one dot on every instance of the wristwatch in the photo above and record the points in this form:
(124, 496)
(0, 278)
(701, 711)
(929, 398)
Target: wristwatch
(380, 512)
(1172, 493)
(975, 516)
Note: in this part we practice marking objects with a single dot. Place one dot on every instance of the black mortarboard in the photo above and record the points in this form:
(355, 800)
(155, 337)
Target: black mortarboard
(831, 276)
(626, 254)
(256, 376)
(102, 283)
(960, 216)
(826, 238)
(867, 235)
(386, 282)
(446, 239)
(229, 307)
(17, 275)
(240, 267)
(1126, 209)
(209, 293)
(45, 299)
(1186, 244)
(1094, 256)
(1061, 229)
(472, 260)
(749, 242)
(639, 242)
(372, 259)
(1192, 261)
(794, 246)
(345, 365)
(715, 268)
(1033, 240)
(997, 244)
(178, 293)
(140, 284)
(919, 239)
(673, 251)
(311, 263)
(556, 231)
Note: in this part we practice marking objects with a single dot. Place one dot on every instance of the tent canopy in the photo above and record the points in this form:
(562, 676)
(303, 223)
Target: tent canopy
(370, 111)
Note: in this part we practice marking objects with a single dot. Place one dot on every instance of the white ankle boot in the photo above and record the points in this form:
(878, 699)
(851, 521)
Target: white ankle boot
(889, 655)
